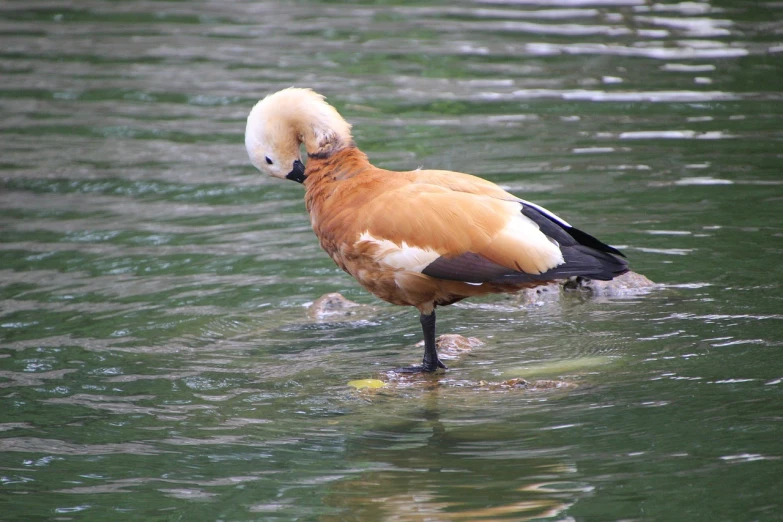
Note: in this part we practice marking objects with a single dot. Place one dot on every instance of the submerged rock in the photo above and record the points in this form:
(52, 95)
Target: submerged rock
(505, 385)
(630, 284)
(540, 294)
(333, 305)
(391, 381)
(452, 346)
(516, 384)
(627, 285)
(549, 384)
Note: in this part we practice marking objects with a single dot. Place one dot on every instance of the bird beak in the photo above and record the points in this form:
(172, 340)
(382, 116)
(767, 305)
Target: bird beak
(298, 172)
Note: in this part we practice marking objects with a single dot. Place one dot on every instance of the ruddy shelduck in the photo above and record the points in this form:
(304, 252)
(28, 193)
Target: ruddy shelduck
(423, 238)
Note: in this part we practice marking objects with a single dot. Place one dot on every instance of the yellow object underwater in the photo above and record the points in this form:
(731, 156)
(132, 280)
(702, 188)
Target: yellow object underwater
(362, 384)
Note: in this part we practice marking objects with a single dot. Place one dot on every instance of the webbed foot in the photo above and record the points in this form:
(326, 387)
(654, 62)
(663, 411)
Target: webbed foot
(431, 362)
(421, 368)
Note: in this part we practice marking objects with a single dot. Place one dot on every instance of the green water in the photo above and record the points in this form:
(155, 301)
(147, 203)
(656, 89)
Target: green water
(157, 360)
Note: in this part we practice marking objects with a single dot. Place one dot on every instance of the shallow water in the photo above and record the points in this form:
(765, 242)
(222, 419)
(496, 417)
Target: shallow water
(157, 361)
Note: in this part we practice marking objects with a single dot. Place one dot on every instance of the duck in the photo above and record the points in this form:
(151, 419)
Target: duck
(421, 238)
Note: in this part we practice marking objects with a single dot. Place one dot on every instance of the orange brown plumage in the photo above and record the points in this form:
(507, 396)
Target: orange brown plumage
(423, 238)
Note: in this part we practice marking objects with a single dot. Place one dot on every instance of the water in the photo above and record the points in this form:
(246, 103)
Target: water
(157, 361)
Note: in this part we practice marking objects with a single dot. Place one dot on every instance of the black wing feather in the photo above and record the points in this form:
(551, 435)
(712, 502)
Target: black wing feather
(584, 256)
(560, 232)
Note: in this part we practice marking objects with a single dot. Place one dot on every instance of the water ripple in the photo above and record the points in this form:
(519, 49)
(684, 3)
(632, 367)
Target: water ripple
(59, 447)
(155, 352)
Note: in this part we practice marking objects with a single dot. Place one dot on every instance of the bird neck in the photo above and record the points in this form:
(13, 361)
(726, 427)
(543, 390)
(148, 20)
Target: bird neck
(326, 178)
(321, 129)
(339, 165)
(323, 142)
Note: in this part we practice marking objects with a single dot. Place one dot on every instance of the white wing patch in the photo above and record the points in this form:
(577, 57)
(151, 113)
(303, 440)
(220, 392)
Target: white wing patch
(535, 253)
(401, 257)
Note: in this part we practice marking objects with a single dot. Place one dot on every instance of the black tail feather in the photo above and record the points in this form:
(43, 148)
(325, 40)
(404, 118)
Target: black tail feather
(584, 255)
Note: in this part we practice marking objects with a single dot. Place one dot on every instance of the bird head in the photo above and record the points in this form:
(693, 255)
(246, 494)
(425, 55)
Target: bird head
(272, 142)
(279, 124)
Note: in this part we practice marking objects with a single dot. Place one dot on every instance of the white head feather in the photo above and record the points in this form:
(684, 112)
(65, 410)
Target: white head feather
(280, 123)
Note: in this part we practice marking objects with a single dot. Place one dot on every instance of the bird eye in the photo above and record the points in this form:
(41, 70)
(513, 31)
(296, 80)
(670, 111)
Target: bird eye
(268, 161)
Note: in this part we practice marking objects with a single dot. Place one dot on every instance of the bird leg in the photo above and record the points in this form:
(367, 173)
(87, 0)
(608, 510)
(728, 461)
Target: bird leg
(430, 363)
